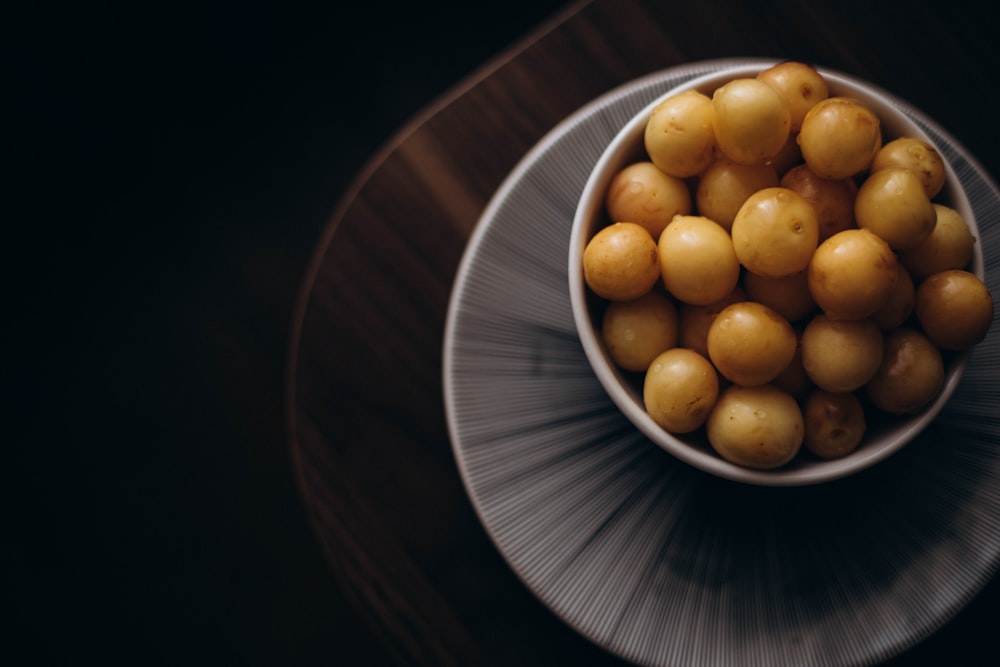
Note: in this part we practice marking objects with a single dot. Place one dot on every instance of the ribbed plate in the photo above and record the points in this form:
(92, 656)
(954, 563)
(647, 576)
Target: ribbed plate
(655, 561)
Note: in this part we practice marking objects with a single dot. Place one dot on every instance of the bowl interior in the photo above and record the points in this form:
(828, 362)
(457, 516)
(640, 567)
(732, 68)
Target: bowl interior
(884, 435)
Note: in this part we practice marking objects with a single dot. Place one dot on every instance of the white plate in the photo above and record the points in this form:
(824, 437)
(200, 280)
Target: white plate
(657, 562)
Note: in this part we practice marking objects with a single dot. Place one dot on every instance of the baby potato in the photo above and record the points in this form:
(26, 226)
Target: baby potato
(911, 373)
(697, 261)
(839, 137)
(899, 306)
(620, 262)
(892, 203)
(955, 309)
(680, 389)
(834, 424)
(832, 199)
(801, 86)
(752, 120)
(789, 296)
(949, 246)
(696, 320)
(775, 232)
(916, 155)
(758, 427)
(680, 134)
(840, 356)
(643, 194)
(725, 185)
(750, 344)
(635, 331)
(852, 274)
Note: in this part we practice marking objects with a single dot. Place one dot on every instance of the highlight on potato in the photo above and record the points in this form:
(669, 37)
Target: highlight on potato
(779, 271)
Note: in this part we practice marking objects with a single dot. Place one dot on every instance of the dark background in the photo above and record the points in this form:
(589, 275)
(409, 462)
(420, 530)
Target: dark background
(167, 172)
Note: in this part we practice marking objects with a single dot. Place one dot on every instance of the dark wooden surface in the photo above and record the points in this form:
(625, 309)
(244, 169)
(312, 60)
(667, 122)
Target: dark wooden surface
(367, 424)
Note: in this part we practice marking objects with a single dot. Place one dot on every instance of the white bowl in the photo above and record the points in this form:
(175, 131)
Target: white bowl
(883, 436)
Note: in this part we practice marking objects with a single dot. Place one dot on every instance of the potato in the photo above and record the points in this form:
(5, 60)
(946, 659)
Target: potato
(892, 203)
(911, 373)
(775, 233)
(680, 389)
(725, 185)
(643, 194)
(620, 262)
(696, 320)
(831, 199)
(758, 427)
(834, 424)
(954, 308)
(635, 331)
(949, 246)
(840, 356)
(916, 155)
(852, 274)
(697, 261)
(840, 137)
(680, 134)
(800, 84)
(752, 120)
(750, 344)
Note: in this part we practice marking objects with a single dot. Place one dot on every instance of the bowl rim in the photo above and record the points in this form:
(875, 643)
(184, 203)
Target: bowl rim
(885, 105)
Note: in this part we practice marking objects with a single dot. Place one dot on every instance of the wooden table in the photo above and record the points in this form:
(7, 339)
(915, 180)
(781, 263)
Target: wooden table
(367, 420)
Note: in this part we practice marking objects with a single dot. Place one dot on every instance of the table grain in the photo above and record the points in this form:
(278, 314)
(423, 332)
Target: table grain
(366, 420)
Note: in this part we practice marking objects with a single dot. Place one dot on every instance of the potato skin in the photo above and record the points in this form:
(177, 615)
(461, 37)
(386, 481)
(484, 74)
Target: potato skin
(620, 262)
(911, 374)
(955, 309)
(835, 423)
(680, 389)
(758, 427)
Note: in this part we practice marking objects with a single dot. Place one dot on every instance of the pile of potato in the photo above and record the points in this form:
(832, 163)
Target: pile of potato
(776, 270)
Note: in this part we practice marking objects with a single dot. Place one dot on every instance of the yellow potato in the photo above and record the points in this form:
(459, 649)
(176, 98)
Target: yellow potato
(852, 274)
(949, 246)
(750, 344)
(840, 137)
(916, 155)
(955, 309)
(775, 233)
(758, 427)
(835, 424)
(620, 262)
(840, 356)
(725, 185)
(892, 203)
(697, 260)
(752, 120)
(696, 320)
(680, 134)
(680, 389)
(832, 199)
(800, 84)
(911, 374)
(635, 331)
(643, 194)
